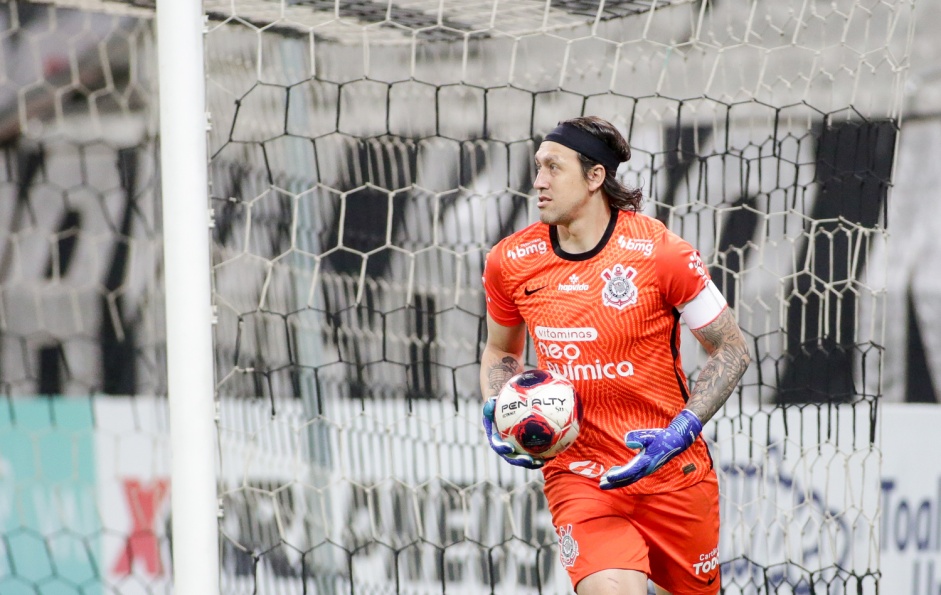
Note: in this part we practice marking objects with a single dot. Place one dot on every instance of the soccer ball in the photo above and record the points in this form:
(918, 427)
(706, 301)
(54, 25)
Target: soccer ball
(538, 412)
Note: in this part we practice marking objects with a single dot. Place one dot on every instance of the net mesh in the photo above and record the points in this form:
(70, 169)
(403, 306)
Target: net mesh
(83, 457)
(364, 157)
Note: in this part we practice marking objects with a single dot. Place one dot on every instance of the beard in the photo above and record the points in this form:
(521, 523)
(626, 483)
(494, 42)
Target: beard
(550, 217)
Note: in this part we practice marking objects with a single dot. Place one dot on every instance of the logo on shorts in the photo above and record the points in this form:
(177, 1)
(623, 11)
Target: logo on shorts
(707, 563)
(568, 547)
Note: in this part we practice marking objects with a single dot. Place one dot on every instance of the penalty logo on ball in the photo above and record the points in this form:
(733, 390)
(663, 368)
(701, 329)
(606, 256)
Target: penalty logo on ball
(538, 412)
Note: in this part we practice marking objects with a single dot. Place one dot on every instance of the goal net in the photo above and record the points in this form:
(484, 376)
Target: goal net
(365, 156)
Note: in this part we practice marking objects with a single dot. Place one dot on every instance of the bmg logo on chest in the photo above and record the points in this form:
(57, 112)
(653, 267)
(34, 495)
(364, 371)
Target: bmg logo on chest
(527, 249)
(644, 246)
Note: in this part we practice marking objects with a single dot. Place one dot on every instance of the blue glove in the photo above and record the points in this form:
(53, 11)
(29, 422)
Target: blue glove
(657, 446)
(502, 447)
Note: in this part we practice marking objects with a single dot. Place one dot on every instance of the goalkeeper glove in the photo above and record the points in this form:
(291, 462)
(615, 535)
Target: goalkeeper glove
(657, 446)
(502, 447)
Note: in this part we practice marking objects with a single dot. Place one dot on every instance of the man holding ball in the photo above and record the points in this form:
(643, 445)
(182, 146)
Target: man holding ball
(602, 288)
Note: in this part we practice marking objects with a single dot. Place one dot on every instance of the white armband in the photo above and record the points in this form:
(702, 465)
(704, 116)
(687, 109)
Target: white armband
(704, 308)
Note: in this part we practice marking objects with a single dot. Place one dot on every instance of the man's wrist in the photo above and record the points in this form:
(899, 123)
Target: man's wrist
(687, 424)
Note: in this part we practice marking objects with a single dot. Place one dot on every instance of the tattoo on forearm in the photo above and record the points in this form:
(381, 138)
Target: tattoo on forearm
(500, 372)
(728, 358)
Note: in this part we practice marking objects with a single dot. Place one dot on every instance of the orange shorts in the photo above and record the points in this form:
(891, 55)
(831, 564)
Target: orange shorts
(672, 537)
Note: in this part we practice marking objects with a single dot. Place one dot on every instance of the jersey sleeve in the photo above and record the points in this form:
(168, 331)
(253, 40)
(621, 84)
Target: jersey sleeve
(680, 270)
(499, 304)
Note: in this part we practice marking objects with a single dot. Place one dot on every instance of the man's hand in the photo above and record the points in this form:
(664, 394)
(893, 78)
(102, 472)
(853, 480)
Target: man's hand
(503, 448)
(657, 446)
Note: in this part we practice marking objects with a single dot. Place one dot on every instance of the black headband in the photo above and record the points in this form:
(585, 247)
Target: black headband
(585, 143)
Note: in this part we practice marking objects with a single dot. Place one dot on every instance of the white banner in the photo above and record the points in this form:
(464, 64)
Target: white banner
(910, 527)
(362, 500)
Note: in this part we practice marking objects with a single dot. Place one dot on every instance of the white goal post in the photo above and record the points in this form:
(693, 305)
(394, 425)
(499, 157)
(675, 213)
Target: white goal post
(190, 380)
(315, 372)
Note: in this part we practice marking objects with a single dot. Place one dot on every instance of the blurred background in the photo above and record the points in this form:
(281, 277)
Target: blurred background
(363, 158)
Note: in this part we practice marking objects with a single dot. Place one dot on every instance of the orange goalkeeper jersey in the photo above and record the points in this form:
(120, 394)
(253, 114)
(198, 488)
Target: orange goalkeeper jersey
(606, 319)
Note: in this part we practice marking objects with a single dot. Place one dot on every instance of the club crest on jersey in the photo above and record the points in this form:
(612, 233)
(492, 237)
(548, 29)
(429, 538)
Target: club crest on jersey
(568, 547)
(619, 289)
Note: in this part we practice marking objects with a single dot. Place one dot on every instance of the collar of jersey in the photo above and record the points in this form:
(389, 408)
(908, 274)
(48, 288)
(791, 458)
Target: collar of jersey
(608, 232)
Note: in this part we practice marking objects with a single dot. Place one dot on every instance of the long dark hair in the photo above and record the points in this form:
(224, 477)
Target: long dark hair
(619, 196)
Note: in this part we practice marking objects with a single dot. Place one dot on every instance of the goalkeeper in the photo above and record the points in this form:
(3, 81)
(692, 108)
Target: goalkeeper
(602, 289)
